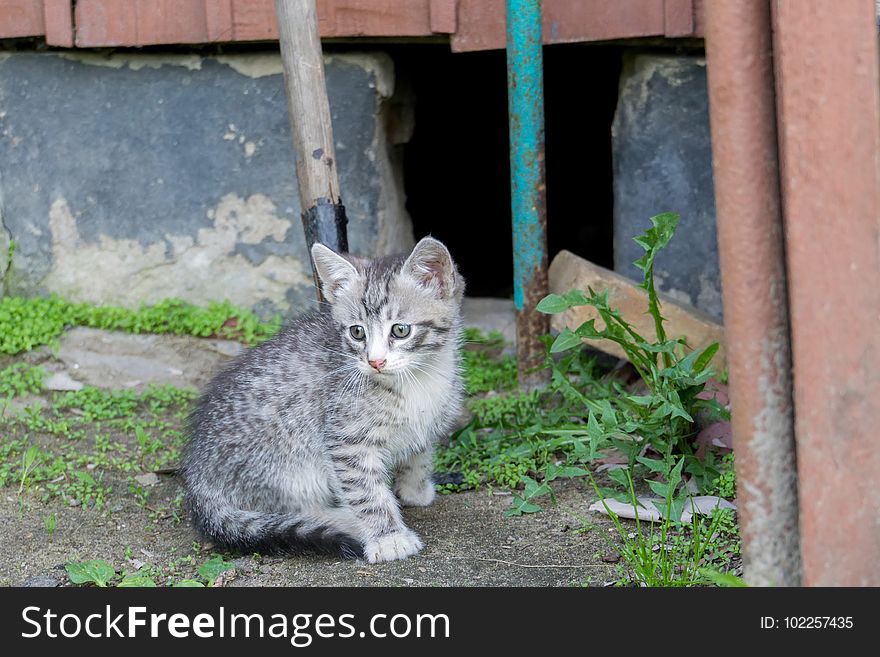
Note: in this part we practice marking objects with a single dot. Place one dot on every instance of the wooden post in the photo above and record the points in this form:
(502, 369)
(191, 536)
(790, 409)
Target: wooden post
(323, 214)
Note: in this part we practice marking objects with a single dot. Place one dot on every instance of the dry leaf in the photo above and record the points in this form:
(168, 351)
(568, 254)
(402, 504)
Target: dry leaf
(701, 504)
(718, 434)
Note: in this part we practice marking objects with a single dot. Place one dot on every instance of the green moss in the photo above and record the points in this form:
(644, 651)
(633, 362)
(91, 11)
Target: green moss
(29, 323)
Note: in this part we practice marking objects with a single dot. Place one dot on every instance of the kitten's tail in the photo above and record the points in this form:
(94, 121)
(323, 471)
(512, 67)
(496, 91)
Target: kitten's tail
(333, 531)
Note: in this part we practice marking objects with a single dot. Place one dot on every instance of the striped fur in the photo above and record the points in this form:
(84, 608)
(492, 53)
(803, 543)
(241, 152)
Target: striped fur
(301, 444)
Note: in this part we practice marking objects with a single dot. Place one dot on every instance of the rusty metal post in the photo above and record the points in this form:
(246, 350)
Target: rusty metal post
(750, 243)
(828, 75)
(525, 94)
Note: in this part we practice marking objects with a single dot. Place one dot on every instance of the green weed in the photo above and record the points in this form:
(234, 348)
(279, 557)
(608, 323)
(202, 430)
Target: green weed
(28, 463)
(213, 568)
(131, 431)
(49, 523)
(482, 371)
(96, 571)
(99, 572)
(20, 379)
(526, 441)
(673, 554)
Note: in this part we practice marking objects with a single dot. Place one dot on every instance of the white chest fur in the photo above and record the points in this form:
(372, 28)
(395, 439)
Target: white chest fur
(424, 399)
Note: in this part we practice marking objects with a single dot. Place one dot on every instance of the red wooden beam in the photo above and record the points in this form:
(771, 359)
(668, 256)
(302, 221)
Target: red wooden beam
(218, 20)
(481, 25)
(58, 17)
(152, 22)
(140, 22)
(443, 16)
(678, 18)
(472, 24)
(21, 18)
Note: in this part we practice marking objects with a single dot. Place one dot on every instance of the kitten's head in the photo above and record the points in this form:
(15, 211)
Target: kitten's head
(395, 313)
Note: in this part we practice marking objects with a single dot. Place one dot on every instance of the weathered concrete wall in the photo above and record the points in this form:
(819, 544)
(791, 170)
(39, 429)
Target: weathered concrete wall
(132, 178)
(663, 162)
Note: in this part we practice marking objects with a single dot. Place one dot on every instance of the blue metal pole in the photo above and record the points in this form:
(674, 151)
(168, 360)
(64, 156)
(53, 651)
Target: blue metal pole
(525, 94)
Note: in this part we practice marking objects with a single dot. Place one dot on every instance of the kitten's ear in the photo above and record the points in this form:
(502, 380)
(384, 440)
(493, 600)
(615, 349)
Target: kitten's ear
(334, 271)
(431, 265)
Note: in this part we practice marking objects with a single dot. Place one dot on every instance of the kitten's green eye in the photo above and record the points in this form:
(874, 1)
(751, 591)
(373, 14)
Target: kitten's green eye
(400, 330)
(357, 332)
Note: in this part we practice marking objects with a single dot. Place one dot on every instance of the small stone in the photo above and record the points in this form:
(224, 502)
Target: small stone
(41, 581)
(244, 564)
(147, 479)
(612, 557)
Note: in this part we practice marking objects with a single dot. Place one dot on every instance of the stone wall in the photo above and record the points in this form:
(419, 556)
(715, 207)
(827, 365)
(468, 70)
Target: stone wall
(663, 162)
(131, 178)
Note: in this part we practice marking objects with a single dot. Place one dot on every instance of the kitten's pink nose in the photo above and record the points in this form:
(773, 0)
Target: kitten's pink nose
(377, 364)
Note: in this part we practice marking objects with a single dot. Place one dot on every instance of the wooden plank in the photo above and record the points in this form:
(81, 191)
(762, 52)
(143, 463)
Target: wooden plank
(571, 272)
(254, 20)
(382, 18)
(139, 22)
(104, 23)
(481, 25)
(21, 18)
(58, 15)
(152, 22)
(171, 21)
(218, 20)
(699, 19)
(443, 16)
(678, 18)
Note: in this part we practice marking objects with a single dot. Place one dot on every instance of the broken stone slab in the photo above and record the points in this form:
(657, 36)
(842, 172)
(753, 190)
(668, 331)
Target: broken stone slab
(16, 405)
(61, 382)
(111, 359)
(569, 272)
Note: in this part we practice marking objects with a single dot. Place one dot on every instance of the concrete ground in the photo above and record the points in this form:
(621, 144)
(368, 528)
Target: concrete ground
(469, 541)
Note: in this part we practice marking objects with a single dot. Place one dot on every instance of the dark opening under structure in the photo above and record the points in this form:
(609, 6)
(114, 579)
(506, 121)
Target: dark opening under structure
(456, 166)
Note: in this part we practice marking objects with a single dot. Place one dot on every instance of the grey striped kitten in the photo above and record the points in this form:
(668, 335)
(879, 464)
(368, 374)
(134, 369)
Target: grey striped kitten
(297, 443)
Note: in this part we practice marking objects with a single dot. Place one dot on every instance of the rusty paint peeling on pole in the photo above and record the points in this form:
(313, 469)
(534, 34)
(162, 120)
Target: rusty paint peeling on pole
(751, 247)
(525, 93)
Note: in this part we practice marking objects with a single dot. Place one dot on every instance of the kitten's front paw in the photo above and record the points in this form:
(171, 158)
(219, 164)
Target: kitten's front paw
(398, 545)
(420, 494)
